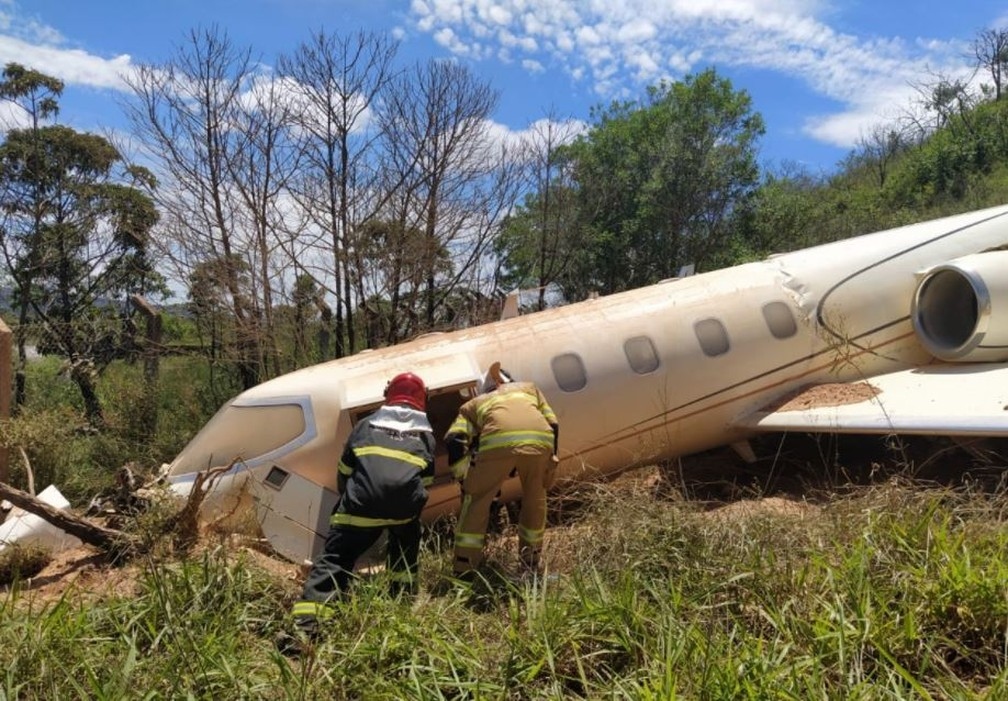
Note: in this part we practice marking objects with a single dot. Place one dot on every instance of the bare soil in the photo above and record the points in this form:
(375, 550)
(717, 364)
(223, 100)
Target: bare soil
(830, 394)
(84, 574)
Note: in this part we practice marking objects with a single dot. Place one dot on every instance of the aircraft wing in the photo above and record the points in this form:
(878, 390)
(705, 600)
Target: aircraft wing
(947, 399)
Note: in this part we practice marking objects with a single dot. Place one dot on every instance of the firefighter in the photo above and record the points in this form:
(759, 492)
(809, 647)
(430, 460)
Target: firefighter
(386, 467)
(511, 428)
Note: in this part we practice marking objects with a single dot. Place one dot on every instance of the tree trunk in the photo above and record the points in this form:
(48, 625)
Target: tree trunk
(152, 361)
(84, 380)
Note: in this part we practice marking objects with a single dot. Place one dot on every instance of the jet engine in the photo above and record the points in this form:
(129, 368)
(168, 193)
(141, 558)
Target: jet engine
(960, 309)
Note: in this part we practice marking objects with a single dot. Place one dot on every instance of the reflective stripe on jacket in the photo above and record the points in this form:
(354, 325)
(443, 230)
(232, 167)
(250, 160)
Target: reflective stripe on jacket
(387, 465)
(515, 414)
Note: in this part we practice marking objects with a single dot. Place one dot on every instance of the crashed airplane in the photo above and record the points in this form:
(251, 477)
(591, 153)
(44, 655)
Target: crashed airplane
(915, 318)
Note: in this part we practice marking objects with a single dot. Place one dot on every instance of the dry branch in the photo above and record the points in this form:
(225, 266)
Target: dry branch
(28, 470)
(185, 524)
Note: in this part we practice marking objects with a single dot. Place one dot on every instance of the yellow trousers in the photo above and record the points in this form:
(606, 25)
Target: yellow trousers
(481, 484)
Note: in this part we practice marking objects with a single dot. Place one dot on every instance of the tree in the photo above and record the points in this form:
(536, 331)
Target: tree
(445, 175)
(75, 234)
(37, 95)
(943, 97)
(260, 170)
(309, 311)
(658, 182)
(397, 263)
(879, 148)
(185, 112)
(339, 81)
(990, 48)
(540, 241)
(787, 212)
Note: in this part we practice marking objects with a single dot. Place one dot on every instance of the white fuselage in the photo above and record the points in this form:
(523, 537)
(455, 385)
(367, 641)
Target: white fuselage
(638, 376)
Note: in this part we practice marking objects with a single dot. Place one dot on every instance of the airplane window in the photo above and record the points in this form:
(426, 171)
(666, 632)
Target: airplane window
(641, 354)
(243, 431)
(779, 319)
(569, 372)
(712, 336)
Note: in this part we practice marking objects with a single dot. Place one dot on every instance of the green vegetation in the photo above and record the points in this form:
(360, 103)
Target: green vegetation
(19, 562)
(62, 447)
(76, 227)
(894, 591)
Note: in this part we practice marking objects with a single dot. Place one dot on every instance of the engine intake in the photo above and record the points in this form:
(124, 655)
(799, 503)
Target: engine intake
(960, 309)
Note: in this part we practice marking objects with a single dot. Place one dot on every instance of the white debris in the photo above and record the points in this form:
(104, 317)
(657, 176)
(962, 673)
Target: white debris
(25, 528)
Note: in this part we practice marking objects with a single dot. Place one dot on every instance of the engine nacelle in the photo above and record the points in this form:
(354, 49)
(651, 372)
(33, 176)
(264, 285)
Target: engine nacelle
(960, 309)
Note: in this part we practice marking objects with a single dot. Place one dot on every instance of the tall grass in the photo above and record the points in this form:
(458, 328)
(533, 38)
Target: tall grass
(891, 592)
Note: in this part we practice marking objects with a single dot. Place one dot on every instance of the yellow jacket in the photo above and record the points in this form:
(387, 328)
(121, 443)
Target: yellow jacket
(515, 415)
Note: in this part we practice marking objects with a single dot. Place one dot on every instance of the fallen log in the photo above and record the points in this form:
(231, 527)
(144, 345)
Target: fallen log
(115, 543)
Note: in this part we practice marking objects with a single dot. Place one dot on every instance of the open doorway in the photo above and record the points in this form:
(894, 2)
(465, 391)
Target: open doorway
(442, 407)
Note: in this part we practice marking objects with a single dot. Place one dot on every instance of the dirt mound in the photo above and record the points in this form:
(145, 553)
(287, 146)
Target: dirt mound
(82, 573)
(771, 507)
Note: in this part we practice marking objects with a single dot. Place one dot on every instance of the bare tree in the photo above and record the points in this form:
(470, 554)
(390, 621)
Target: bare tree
(990, 48)
(260, 167)
(945, 97)
(455, 183)
(185, 111)
(879, 147)
(555, 207)
(339, 79)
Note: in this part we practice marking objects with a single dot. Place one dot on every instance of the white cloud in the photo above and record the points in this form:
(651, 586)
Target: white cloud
(635, 31)
(562, 130)
(498, 14)
(622, 46)
(12, 117)
(532, 66)
(28, 41)
(72, 66)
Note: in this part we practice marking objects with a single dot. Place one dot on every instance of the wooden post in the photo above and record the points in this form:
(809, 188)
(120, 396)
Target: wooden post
(5, 393)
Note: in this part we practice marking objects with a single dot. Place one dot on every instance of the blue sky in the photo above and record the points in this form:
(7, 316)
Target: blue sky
(821, 73)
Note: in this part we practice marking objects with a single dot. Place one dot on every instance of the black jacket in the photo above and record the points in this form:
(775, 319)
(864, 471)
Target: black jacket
(387, 465)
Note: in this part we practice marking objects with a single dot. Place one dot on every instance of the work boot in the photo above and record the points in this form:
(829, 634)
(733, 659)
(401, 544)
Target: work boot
(529, 559)
(300, 640)
(292, 644)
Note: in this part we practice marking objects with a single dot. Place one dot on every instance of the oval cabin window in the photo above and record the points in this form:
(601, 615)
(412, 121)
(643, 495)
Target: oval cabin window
(641, 354)
(779, 320)
(712, 335)
(569, 372)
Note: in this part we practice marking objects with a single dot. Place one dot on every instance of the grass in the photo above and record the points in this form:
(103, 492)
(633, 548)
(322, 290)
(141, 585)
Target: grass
(893, 591)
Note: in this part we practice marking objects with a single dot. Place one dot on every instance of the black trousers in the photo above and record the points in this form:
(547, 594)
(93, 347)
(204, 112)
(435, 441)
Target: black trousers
(332, 572)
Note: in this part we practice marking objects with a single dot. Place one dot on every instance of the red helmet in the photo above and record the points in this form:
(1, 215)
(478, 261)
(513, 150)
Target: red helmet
(407, 388)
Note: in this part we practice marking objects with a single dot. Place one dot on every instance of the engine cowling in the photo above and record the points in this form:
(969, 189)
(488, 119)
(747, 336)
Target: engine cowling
(960, 309)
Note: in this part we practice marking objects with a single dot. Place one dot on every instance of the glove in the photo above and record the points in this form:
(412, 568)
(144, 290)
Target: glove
(460, 468)
(551, 471)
